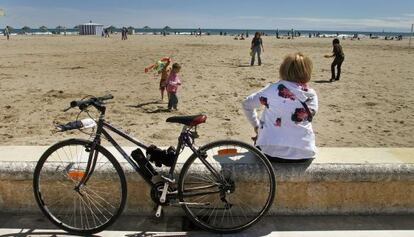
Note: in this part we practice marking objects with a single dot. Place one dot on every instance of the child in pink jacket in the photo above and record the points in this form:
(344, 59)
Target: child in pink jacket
(173, 82)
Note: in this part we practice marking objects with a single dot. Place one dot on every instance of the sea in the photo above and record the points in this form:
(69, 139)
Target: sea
(231, 32)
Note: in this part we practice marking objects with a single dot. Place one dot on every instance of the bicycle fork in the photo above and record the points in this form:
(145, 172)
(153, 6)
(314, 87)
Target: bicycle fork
(90, 167)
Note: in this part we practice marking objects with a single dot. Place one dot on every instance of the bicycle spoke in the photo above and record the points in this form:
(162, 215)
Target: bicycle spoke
(91, 207)
(98, 196)
(230, 201)
(97, 208)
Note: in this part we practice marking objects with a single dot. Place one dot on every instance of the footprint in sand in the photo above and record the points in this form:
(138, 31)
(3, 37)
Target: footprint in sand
(370, 104)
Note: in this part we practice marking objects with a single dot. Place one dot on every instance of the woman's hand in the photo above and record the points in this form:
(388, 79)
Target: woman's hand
(256, 129)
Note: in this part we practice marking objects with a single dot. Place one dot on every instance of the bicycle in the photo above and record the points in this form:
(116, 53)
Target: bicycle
(212, 187)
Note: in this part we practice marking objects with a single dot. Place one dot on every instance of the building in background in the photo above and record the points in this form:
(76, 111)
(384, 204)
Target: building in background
(91, 29)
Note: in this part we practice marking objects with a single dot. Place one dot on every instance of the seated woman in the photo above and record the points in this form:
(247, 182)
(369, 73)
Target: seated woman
(284, 132)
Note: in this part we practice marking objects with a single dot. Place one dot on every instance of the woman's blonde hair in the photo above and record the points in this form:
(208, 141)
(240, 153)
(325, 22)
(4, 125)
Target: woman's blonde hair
(296, 68)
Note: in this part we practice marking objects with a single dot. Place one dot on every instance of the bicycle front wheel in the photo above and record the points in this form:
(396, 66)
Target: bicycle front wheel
(91, 207)
(229, 189)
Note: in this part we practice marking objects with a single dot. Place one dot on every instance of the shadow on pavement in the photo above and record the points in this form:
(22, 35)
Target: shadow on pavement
(139, 226)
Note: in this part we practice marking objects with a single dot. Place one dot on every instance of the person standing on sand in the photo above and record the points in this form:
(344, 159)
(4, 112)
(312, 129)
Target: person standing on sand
(7, 32)
(124, 33)
(256, 48)
(284, 132)
(173, 82)
(339, 59)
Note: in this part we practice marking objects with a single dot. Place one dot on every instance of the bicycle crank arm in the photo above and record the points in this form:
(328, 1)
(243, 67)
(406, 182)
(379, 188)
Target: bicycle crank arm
(158, 212)
(164, 193)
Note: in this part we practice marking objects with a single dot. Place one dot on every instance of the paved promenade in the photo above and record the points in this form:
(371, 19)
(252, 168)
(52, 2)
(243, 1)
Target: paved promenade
(279, 226)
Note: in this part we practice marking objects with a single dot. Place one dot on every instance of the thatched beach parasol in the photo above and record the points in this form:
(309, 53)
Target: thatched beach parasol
(25, 29)
(43, 29)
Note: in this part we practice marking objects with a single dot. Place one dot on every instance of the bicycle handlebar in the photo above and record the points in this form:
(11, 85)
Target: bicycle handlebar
(97, 102)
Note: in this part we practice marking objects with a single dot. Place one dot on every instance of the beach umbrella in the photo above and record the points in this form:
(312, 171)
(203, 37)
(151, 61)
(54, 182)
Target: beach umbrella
(59, 28)
(43, 28)
(131, 30)
(76, 27)
(146, 28)
(25, 29)
(111, 28)
(167, 28)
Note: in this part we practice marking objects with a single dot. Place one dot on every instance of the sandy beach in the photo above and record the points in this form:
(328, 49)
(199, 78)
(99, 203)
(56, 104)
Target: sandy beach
(372, 105)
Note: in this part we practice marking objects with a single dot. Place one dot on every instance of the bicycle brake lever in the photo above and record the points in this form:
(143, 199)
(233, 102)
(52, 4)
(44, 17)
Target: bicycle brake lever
(68, 108)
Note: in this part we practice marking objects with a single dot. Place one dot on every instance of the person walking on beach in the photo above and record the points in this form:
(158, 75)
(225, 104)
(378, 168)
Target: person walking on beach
(7, 32)
(337, 62)
(256, 48)
(173, 82)
(124, 33)
(284, 132)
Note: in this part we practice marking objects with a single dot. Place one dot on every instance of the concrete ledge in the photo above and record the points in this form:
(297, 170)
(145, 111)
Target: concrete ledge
(354, 181)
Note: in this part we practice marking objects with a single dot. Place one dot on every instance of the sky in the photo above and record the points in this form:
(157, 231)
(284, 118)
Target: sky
(361, 15)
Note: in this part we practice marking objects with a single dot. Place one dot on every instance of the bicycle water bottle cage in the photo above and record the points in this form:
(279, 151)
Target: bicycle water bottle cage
(143, 163)
(161, 157)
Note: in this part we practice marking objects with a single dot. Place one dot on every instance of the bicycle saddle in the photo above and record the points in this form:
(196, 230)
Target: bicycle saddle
(192, 120)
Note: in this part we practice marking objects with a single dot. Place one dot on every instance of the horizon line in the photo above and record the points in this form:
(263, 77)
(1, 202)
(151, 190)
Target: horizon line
(239, 29)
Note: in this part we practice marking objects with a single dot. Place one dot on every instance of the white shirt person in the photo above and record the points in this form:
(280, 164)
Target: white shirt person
(284, 131)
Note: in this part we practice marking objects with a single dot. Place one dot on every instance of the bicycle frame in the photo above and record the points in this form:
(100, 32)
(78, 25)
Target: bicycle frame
(207, 193)
(183, 140)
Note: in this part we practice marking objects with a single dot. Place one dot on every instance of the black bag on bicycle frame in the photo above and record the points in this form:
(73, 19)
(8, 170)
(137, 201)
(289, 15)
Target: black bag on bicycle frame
(161, 157)
(143, 163)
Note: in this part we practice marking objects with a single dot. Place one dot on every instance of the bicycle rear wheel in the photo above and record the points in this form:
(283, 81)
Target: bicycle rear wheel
(234, 193)
(93, 207)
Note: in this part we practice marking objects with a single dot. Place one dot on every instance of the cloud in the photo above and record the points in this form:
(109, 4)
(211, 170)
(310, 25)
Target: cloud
(395, 22)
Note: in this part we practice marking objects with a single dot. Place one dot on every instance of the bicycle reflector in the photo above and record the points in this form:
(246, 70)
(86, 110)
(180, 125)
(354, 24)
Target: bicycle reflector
(76, 174)
(229, 151)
